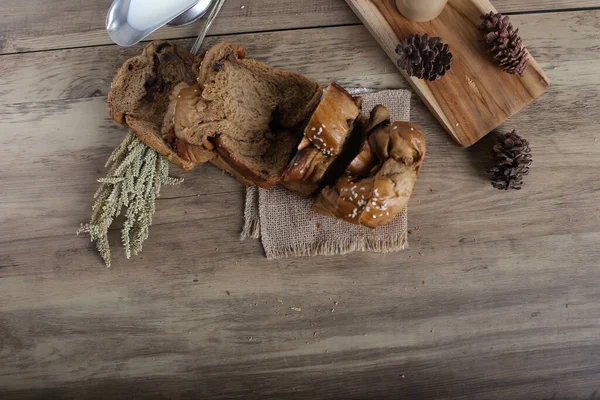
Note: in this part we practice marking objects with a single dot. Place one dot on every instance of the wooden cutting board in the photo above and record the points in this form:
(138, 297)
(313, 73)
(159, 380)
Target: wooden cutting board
(475, 96)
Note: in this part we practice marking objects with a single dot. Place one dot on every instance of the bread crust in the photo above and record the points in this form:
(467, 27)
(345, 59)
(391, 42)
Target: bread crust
(325, 138)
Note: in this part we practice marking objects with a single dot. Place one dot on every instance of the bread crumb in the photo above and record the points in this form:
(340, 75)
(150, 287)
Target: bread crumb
(296, 309)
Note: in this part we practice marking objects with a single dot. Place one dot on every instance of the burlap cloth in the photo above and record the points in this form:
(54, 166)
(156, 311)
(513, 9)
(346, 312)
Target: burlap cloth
(287, 226)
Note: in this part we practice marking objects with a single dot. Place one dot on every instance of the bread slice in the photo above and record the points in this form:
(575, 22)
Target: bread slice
(325, 138)
(379, 182)
(246, 112)
(139, 95)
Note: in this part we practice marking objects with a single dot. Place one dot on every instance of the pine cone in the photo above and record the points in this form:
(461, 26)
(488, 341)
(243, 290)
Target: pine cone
(504, 43)
(423, 57)
(511, 158)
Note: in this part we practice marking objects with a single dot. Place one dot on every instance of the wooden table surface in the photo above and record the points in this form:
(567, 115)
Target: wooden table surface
(498, 296)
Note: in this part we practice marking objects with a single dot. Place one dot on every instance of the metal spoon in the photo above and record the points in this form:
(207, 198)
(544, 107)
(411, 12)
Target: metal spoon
(130, 21)
(206, 26)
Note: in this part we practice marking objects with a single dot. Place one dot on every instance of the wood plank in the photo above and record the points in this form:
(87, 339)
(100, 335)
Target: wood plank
(29, 25)
(499, 325)
(488, 96)
(66, 24)
(496, 298)
(81, 73)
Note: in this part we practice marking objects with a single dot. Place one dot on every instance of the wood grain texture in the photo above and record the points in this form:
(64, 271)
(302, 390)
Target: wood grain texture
(77, 73)
(475, 96)
(30, 25)
(496, 297)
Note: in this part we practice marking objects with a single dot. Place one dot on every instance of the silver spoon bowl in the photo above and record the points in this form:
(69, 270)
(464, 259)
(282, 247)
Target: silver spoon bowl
(121, 30)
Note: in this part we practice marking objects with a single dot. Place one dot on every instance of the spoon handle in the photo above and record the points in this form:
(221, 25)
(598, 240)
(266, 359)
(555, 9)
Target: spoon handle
(206, 26)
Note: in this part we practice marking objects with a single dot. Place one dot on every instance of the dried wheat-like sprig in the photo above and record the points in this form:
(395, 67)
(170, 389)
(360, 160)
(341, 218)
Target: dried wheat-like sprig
(134, 180)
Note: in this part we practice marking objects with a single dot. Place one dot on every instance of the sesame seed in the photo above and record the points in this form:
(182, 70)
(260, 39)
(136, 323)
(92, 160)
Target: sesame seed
(313, 129)
(324, 126)
(362, 188)
(387, 213)
(395, 127)
(295, 163)
(412, 129)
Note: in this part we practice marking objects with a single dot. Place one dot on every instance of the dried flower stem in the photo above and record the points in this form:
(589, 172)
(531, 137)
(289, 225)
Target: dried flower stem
(134, 180)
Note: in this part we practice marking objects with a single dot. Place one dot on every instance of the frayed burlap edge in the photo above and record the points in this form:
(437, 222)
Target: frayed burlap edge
(251, 216)
(330, 247)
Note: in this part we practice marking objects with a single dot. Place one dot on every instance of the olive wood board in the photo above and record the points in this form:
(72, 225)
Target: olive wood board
(475, 96)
